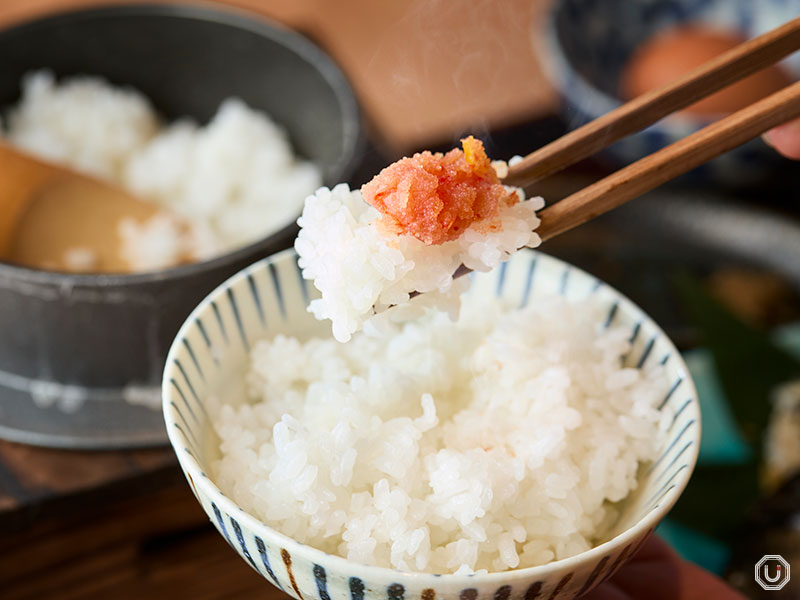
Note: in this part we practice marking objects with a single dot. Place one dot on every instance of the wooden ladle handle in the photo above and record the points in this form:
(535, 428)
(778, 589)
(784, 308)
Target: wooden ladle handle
(20, 177)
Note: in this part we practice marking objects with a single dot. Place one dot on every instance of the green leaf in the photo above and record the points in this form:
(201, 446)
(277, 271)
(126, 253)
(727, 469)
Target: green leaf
(749, 366)
(748, 363)
(717, 498)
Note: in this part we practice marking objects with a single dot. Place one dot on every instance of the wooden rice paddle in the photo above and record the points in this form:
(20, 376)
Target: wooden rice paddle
(47, 210)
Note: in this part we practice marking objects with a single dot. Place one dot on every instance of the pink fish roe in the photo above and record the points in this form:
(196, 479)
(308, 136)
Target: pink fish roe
(436, 197)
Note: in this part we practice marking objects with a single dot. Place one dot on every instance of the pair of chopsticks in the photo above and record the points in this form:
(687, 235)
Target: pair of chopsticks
(677, 158)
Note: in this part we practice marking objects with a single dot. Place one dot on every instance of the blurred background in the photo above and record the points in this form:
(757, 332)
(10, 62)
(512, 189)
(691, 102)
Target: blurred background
(423, 70)
(714, 257)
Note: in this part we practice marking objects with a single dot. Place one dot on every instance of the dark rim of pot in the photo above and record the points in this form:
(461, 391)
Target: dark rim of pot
(241, 19)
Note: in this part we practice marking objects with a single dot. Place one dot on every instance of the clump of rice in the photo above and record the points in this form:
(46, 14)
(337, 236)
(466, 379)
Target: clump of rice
(360, 270)
(80, 260)
(222, 185)
(497, 441)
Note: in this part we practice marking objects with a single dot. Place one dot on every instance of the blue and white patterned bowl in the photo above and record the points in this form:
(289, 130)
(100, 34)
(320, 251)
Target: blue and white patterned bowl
(210, 357)
(587, 43)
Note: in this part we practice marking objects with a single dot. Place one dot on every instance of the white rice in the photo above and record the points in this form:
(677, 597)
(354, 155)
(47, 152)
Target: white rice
(230, 182)
(361, 271)
(80, 260)
(498, 441)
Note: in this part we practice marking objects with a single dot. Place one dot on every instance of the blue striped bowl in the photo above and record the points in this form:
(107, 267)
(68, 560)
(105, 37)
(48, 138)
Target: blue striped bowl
(210, 357)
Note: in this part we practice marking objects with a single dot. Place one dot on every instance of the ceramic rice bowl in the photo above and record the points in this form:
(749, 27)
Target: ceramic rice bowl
(210, 354)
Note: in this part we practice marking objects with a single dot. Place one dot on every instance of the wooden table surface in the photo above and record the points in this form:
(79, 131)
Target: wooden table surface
(123, 524)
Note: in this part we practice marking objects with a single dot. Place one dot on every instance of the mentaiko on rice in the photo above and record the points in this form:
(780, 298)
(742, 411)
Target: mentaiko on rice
(499, 440)
(406, 232)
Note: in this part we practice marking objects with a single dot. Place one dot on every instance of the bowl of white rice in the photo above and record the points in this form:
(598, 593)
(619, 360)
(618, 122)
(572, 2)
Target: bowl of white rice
(524, 447)
(219, 116)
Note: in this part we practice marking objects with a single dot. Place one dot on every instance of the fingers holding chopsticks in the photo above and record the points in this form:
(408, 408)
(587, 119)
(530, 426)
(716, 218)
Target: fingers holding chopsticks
(785, 139)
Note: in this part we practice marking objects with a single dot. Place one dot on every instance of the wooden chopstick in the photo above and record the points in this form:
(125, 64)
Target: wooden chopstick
(677, 158)
(667, 163)
(674, 160)
(745, 59)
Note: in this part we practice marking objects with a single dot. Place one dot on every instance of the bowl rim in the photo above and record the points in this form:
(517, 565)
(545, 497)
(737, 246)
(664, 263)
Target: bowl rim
(239, 18)
(201, 481)
(558, 68)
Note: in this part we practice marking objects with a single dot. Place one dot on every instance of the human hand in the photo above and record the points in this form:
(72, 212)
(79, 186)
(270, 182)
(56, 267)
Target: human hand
(656, 572)
(785, 139)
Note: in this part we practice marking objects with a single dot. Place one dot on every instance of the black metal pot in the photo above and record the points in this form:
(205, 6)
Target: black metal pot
(77, 351)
